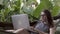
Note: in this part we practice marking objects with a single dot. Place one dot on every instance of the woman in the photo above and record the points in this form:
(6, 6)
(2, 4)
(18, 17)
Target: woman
(45, 25)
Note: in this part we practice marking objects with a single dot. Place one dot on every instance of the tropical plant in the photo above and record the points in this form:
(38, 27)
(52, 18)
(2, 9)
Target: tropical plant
(10, 8)
(44, 4)
(13, 7)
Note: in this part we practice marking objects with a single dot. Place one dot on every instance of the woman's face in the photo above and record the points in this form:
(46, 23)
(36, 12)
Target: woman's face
(43, 16)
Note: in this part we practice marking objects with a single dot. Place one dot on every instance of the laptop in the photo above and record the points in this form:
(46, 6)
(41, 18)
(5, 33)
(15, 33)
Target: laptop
(20, 21)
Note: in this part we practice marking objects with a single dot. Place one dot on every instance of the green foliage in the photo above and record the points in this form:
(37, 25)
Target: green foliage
(45, 4)
(55, 10)
(10, 8)
(14, 7)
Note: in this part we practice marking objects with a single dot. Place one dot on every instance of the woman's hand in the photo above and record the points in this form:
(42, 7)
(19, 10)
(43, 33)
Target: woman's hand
(32, 29)
(36, 30)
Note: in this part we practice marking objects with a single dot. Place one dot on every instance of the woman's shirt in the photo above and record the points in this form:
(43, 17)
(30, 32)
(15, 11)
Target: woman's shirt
(42, 27)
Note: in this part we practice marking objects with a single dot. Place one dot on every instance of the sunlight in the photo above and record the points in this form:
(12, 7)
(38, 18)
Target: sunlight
(38, 1)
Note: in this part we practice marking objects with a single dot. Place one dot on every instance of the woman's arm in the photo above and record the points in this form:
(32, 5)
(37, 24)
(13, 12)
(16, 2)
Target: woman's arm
(40, 32)
(52, 30)
(36, 30)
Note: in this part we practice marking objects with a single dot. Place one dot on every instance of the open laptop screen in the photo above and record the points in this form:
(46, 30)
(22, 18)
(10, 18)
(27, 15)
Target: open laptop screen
(20, 21)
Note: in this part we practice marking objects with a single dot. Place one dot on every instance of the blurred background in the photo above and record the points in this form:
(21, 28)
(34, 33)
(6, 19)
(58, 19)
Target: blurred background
(31, 7)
